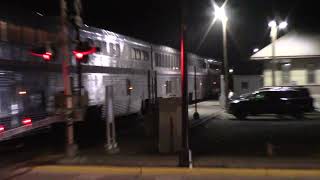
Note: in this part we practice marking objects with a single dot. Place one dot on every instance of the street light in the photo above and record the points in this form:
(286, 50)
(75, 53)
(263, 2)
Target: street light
(273, 35)
(220, 14)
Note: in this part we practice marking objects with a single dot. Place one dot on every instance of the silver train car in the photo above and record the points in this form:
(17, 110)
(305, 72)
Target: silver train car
(136, 69)
(129, 64)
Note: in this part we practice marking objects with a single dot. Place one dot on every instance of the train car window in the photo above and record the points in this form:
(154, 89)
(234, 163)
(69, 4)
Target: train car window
(5, 101)
(169, 61)
(117, 50)
(133, 53)
(103, 48)
(3, 30)
(173, 61)
(142, 55)
(129, 87)
(98, 43)
(168, 87)
(145, 56)
(204, 64)
(138, 54)
(157, 58)
(111, 49)
(162, 59)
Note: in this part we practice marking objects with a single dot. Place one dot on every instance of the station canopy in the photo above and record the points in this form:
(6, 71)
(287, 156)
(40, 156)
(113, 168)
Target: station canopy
(293, 45)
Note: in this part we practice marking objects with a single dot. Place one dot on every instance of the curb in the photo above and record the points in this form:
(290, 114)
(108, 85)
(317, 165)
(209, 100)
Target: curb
(145, 171)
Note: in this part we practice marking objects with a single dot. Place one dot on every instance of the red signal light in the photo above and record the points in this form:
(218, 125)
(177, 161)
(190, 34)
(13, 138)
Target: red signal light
(81, 54)
(27, 121)
(2, 128)
(78, 55)
(46, 56)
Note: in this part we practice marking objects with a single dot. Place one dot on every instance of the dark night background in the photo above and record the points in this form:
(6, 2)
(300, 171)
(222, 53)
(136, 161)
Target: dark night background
(157, 21)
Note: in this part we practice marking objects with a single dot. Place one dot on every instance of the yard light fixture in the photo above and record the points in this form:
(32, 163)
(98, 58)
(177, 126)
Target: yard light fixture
(283, 25)
(272, 24)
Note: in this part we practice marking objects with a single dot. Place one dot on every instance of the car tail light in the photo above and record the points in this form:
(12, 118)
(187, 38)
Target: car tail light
(27, 121)
(1, 129)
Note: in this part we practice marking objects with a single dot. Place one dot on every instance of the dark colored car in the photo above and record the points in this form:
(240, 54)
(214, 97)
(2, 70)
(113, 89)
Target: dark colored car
(294, 101)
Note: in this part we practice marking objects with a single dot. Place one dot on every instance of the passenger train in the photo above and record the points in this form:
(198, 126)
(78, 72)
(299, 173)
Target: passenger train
(137, 70)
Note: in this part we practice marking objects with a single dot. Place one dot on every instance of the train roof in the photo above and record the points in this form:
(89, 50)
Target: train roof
(103, 34)
(98, 33)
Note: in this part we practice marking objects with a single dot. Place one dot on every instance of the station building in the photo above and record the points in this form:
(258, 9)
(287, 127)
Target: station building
(297, 61)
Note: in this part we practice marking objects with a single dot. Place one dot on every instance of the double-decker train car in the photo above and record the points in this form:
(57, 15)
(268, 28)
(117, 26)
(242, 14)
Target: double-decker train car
(137, 70)
(127, 64)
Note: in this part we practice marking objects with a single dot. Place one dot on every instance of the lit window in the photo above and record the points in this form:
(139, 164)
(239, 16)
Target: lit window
(285, 73)
(129, 87)
(311, 78)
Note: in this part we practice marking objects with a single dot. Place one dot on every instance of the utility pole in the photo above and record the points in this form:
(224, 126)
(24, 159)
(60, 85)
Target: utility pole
(185, 159)
(225, 62)
(71, 147)
(196, 115)
(77, 22)
(273, 35)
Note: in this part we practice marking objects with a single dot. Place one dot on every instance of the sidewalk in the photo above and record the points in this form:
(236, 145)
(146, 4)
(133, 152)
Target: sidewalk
(206, 109)
(95, 172)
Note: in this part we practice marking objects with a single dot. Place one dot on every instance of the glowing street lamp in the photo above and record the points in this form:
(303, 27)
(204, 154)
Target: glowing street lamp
(220, 13)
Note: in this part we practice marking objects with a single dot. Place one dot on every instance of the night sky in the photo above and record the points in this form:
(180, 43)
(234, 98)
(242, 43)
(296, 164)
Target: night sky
(157, 21)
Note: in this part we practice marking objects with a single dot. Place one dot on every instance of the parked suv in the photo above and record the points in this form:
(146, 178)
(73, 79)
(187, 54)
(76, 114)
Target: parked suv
(294, 101)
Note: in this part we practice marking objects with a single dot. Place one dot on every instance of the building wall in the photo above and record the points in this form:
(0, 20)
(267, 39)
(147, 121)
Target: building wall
(253, 82)
(298, 72)
(298, 76)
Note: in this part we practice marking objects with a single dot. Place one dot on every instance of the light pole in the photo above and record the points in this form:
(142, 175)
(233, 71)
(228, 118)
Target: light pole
(220, 14)
(273, 35)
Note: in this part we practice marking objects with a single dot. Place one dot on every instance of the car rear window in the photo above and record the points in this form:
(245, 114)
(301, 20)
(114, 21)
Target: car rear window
(294, 93)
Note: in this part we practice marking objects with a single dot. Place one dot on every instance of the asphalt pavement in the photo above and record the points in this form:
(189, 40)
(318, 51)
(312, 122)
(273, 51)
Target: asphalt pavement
(225, 134)
(231, 148)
